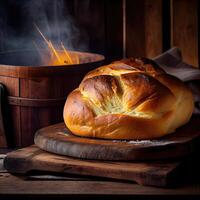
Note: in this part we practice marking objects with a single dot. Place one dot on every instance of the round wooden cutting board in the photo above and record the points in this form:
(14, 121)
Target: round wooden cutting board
(58, 139)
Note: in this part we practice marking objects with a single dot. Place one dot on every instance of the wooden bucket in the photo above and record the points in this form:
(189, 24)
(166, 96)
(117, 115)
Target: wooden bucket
(36, 94)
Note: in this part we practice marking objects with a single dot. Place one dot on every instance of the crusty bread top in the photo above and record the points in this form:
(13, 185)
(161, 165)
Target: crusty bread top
(116, 102)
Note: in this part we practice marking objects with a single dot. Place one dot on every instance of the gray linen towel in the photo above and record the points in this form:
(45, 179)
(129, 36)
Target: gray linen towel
(171, 61)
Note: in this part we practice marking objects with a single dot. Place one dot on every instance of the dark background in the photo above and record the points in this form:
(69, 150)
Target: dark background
(112, 27)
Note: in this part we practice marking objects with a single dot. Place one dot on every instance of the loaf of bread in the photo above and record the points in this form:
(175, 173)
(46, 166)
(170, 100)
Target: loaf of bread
(128, 99)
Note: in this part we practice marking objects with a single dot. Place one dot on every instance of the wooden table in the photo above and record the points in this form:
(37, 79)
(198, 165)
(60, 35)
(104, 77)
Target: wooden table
(27, 187)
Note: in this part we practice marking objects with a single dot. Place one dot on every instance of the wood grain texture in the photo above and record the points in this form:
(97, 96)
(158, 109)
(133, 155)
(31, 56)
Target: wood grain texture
(184, 29)
(24, 186)
(153, 28)
(36, 94)
(151, 173)
(59, 140)
(15, 187)
(11, 83)
(144, 28)
(135, 28)
(34, 118)
(14, 126)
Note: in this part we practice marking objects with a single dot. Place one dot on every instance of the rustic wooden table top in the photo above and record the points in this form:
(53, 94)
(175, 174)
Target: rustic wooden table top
(57, 187)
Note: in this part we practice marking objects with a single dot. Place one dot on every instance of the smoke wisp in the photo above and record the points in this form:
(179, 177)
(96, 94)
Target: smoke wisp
(17, 30)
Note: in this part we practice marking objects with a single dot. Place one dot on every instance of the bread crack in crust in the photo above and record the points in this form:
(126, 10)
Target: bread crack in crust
(128, 99)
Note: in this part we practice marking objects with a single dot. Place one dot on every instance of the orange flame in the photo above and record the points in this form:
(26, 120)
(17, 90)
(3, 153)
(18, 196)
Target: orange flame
(58, 57)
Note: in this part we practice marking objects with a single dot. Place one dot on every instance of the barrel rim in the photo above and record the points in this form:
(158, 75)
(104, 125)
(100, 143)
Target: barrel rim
(18, 71)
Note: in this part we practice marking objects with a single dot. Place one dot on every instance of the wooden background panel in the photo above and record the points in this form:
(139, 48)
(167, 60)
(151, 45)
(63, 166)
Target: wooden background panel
(153, 28)
(166, 25)
(100, 25)
(144, 28)
(135, 36)
(184, 29)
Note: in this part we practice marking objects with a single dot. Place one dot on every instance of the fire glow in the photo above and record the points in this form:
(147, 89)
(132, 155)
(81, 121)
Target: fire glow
(57, 57)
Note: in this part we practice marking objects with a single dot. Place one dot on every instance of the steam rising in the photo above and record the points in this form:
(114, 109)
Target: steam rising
(51, 16)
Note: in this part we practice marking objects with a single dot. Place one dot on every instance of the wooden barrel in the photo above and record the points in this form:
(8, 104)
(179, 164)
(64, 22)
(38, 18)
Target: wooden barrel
(36, 94)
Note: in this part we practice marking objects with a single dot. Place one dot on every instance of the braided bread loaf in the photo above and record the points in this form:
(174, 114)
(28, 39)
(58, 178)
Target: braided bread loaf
(128, 99)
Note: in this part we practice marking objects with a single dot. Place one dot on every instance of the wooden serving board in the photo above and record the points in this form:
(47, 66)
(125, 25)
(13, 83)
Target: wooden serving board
(58, 139)
(146, 173)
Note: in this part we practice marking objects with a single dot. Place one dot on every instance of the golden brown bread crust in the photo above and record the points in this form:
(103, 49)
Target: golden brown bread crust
(128, 99)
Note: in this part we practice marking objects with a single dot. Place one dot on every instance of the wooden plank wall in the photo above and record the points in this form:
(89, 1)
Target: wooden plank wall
(151, 27)
(144, 27)
(184, 29)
